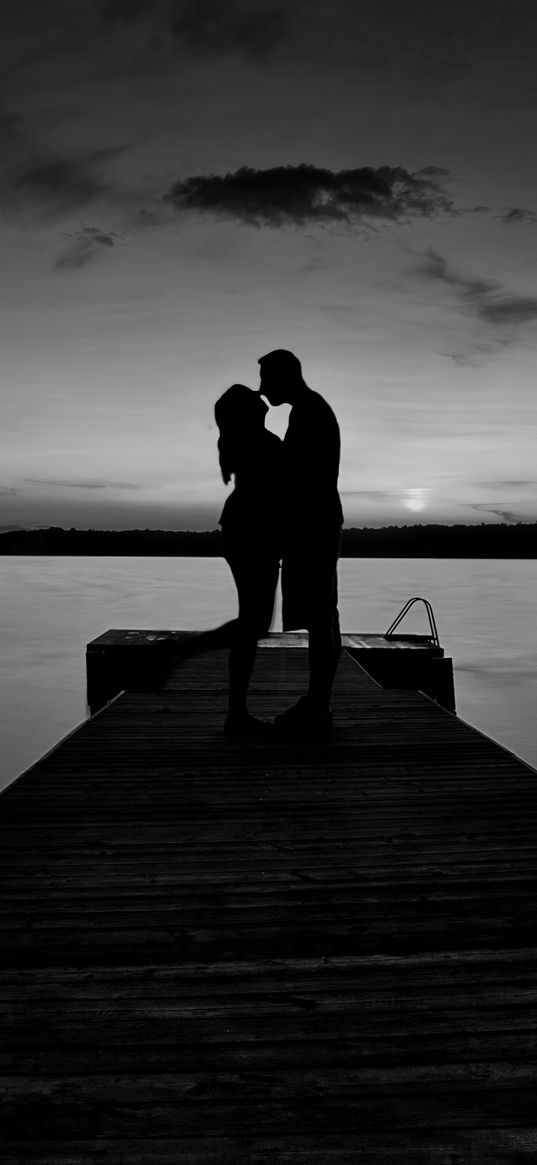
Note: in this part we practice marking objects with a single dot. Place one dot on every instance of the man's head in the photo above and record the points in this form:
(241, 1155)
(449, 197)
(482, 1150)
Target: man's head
(281, 376)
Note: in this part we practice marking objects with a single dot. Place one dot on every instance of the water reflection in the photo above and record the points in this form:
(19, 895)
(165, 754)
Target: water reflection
(51, 607)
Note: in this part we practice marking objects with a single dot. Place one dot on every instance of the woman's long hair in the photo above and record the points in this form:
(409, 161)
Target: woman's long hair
(239, 414)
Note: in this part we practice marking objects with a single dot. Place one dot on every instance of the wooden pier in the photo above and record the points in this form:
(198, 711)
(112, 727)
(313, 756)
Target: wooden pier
(227, 952)
(127, 659)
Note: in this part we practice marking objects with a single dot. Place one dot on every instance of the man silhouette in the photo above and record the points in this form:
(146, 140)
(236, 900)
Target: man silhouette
(311, 534)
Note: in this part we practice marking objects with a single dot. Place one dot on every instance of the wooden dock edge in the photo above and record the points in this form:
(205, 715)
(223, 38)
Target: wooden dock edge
(135, 660)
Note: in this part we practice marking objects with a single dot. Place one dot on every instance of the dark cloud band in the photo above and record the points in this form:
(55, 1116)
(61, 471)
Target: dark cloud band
(83, 484)
(490, 301)
(517, 215)
(305, 194)
(499, 509)
(50, 185)
(83, 246)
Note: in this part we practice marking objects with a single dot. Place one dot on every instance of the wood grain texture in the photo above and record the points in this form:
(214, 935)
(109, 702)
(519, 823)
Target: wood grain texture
(218, 951)
(123, 637)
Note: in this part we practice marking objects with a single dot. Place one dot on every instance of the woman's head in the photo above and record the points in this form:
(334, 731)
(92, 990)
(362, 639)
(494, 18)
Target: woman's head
(240, 416)
(239, 406)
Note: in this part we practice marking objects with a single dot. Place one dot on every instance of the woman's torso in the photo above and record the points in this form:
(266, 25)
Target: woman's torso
(252, 514)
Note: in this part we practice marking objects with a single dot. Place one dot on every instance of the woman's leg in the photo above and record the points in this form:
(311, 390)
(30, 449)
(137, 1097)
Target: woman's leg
(256, 580)
(241, 665)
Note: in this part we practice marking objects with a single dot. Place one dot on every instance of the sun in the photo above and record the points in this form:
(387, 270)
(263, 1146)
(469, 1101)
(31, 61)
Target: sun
(414, 499)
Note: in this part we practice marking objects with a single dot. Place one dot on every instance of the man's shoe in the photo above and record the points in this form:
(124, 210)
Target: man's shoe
(305, 720)
(247, 727)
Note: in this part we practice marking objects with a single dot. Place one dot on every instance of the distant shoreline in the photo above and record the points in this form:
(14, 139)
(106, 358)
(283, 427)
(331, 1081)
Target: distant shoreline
(487, 540)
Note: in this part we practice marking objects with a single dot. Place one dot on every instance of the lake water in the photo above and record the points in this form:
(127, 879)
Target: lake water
(51, 607)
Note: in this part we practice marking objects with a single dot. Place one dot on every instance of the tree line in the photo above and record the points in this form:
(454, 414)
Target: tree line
(487, 540)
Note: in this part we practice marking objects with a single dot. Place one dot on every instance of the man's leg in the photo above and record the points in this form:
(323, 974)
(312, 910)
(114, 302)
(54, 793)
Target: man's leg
(324, 652)
(310, 596)
(323, 630)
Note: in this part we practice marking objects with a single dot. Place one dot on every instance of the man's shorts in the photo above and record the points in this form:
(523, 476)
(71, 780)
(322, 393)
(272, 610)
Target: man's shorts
(309, 580)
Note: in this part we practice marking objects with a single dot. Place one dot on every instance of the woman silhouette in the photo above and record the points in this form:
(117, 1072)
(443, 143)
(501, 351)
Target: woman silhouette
(251, 524)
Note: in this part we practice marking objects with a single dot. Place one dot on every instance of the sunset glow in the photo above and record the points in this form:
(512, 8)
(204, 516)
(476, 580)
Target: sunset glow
(415, 499)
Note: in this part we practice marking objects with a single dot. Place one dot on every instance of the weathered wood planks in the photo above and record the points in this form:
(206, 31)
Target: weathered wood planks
(241, 952)
(121, 659)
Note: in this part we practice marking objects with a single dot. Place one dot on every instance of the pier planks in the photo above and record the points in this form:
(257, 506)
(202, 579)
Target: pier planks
(241, 952)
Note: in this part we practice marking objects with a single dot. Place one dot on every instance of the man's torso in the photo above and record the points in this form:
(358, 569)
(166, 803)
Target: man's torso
(311, 453)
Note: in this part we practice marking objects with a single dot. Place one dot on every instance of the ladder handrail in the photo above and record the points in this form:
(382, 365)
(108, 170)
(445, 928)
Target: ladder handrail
(406, 609)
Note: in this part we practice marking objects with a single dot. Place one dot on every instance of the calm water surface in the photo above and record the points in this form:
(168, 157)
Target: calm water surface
(50, 607)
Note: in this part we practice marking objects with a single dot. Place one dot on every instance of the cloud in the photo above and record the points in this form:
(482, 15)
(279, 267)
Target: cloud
(478, 351)
(83, 484)
(250, 27)
(490, 301)
(16, 526)
(96, 235)
(85, 244)
(305, 195)
(127, 10)
(371, 494)
(209, 25)
(34, 178)
(461, 359)
(498, 508)
(146, 219)
(153, 215)
(6, 490)
(504, 308)
(516, 214)
(520, 483)
(59, 184)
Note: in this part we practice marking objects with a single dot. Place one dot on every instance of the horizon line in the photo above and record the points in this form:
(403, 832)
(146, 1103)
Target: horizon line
(13, 529)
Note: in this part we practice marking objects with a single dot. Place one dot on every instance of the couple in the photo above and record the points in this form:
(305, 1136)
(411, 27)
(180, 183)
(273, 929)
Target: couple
(284, 507)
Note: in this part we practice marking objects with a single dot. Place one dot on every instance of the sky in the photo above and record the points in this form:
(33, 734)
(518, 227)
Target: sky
(188, 184)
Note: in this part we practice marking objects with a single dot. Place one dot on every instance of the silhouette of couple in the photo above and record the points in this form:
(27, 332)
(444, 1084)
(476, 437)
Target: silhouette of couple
(284, 507)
